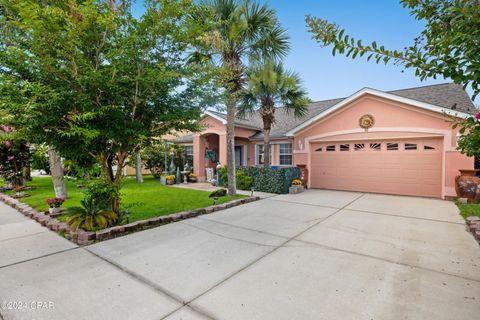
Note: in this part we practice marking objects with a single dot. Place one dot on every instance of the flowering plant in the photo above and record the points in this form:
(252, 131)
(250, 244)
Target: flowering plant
(170, 177)
(296, 182)
(192, 175)
(55, 202)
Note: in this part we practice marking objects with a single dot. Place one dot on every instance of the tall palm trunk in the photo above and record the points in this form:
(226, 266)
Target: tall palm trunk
(231, 110)
(266, 147)
(268, 116)
(56, 171)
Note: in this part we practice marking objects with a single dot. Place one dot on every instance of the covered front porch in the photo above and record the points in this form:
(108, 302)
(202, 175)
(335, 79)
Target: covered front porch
(210, 152)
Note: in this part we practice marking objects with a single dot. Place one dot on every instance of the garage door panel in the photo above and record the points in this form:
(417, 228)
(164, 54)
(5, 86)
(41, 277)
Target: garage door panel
(409, 172)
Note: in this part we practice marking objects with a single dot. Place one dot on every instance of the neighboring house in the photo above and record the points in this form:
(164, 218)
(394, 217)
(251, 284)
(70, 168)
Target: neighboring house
(396, 142)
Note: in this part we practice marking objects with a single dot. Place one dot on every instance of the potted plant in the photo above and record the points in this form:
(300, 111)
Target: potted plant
(296, 187)
(54, 205)
(192, 177)
(170, 179)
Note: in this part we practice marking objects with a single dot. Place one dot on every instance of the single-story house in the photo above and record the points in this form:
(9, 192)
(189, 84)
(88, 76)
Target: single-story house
(395, 142)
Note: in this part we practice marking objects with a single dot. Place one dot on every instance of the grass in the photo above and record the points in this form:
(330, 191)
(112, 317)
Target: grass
(153, 199)
(469, 209)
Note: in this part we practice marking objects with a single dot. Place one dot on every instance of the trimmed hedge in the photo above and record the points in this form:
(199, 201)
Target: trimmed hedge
(272, 180)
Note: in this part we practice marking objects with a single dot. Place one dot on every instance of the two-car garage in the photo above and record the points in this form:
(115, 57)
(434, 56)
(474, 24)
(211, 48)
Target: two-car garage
(394, 166)
(379, 142)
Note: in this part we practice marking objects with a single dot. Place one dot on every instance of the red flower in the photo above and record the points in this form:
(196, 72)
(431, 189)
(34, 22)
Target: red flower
(477, 116)
(55, 202)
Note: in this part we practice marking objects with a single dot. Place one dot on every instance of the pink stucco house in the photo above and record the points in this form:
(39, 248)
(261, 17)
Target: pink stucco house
(396, 142)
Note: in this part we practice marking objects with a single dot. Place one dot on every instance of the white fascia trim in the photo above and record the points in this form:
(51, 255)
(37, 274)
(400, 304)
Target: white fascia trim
(380, 94)
(213, 115)
(224, 121)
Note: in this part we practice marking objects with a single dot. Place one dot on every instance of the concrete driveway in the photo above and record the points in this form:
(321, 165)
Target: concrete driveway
(317, 255)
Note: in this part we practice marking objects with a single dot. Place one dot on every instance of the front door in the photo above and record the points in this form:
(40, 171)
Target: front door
(238, 156)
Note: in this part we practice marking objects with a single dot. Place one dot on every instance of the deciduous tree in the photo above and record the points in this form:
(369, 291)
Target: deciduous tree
(88, 77)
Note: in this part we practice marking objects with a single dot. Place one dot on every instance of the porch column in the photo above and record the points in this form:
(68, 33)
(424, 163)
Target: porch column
(222, 139)
(199, 157)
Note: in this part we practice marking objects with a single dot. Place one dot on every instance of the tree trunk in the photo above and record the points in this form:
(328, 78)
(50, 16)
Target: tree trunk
(138, 168)
(110, 177)
(231, 110)
(56, 171)
(26, 171)
(266, 147)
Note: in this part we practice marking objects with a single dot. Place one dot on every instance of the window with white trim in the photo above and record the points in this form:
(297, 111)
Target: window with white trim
(286, 158)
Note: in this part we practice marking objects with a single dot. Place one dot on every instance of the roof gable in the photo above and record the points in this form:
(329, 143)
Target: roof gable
(386, 95)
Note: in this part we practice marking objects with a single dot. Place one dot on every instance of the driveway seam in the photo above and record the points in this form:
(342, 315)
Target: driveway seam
(407, 217)
(383, 259)
(231, 238)
(268, 253)
(374, 212)
(40, 257)
(24, 236)
(147, 282)
(343, 250)
(250, 229)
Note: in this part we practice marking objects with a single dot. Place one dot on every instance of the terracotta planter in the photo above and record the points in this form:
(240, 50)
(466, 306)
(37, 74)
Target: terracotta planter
(170, 182)
(467, 185)
(192, 179)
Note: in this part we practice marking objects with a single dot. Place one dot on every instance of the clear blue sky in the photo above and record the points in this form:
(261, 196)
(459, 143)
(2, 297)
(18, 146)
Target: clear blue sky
(325, 76)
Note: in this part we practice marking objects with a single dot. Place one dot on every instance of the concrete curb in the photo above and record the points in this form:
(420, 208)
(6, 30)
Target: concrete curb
(82, 237)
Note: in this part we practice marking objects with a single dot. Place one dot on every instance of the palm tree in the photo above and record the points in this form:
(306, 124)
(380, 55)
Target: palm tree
(237, 33)
(270, 85)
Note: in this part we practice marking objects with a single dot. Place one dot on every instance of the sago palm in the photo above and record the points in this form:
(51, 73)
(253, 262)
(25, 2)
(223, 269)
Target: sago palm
(270, 86)
(237, 33)
(90, 216)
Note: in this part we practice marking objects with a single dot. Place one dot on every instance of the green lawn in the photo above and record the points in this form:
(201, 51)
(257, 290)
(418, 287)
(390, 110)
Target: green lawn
(156, 199)
(469, 209)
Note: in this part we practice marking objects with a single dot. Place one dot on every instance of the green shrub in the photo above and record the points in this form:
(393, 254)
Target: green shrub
(218, 193)
(102, 192)
(244, 181)
(272, 180)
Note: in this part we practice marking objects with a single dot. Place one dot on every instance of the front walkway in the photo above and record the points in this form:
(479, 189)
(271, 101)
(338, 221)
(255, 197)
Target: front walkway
(205, 186)
(317, 255)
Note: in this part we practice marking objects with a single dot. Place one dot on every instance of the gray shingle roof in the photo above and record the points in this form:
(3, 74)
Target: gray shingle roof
(447, 95)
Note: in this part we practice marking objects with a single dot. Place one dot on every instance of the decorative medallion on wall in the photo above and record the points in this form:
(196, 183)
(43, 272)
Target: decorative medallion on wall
(366, 121)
